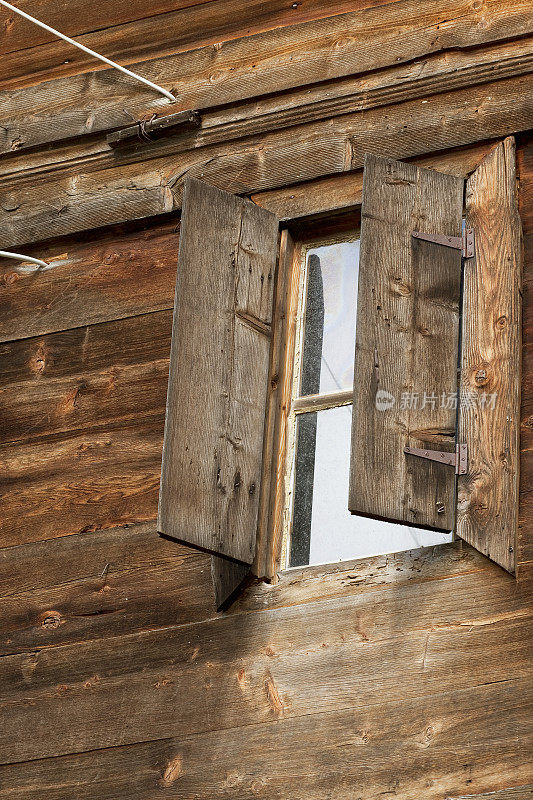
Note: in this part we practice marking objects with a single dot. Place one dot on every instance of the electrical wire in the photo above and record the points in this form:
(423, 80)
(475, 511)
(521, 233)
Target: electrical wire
(89, 51)
(19, 257)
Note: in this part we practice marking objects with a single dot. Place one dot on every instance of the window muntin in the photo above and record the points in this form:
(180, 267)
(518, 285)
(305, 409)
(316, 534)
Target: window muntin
(318, 526)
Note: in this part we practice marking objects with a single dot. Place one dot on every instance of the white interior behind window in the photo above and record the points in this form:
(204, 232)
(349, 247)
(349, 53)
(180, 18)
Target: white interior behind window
(320, 529)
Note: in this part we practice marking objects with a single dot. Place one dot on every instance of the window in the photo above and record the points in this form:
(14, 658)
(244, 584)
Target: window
(269, 427)
(318, 526)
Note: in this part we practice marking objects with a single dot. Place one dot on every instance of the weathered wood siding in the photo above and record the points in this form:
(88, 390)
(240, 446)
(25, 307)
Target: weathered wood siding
(402, 676)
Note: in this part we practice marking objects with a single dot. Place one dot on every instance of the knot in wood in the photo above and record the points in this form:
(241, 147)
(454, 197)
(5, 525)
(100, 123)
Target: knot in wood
(51, 620)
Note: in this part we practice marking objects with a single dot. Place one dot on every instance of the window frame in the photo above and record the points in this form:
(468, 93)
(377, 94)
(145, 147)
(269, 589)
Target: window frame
(297, 235)
(297, 231)
(304, 404)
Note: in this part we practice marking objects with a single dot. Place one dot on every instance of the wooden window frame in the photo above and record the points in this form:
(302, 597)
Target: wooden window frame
(296, 233)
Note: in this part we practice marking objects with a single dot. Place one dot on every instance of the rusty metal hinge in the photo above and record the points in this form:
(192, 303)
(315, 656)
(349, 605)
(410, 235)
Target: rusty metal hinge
(459, 459)
(155, 128)
(464, 243)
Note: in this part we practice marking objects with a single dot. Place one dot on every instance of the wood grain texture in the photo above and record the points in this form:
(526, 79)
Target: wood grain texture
(52, 122)
(86, 196)
(93, 277)
(87, 378)
(245, 669)
(91, 479)
(227, 577)
(406, 343)
(335, 193)
(136, 31)
(272, 501)
(491, 360)
(525, 196)
(129, 269)
(257, 115)
(75, 18)
(219, 362)
(514, 793)
(99, 584)
(427, 741)
(113, 582)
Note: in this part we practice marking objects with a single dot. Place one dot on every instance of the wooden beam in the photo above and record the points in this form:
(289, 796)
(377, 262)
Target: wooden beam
(36, 119)
(434, 746)
(345, 190)
(244, 670)
(135, 32)
(92, 277)
(99, 584)
(113, 480)
(271, 501)
(62, 201)
(86, 378)
(130, 269)
(103, 583)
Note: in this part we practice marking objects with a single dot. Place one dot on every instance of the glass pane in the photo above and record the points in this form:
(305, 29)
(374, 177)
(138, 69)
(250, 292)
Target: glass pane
(323, 529)
(329, 329)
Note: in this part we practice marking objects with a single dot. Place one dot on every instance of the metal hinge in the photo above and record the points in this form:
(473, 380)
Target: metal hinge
(155, 128)
(459, 459)
(464, 243)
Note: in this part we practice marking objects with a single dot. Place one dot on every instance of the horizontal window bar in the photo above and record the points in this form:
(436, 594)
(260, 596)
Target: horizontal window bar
(318, 402)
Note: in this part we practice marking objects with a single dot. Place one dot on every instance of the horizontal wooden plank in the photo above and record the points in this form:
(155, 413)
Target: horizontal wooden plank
(429, 747)
(240, 669)
(514, 793)
(118, 581)
(417, 78)
(311, 103)
(88, 199)
(93, 585)
(130, 269)
(90, 480)
(93, 277)
(345, 191)
(136, 31)
(308, 584)
(94, 376)
(19, 34)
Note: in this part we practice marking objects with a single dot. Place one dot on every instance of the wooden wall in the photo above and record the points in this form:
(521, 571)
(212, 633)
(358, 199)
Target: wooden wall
(402, 676)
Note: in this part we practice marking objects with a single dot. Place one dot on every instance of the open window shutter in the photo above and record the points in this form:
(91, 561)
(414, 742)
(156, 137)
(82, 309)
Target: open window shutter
(227, 577)
(490, 375)
(218, 381)
(406, 345)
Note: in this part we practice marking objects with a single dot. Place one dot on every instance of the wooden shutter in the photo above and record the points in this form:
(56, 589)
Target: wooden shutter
(212, 453)
(490, 375)
(227, 576)
(406, 345)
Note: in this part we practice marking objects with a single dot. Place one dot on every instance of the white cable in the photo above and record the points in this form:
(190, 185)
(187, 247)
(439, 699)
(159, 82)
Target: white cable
(88, 50)
(19, 257)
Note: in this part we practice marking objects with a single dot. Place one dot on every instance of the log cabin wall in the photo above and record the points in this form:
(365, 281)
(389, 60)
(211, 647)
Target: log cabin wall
(402, 676)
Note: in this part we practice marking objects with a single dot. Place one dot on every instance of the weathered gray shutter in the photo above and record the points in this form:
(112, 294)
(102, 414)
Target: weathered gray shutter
(218, 381)
(489, 417)
(406, 345)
